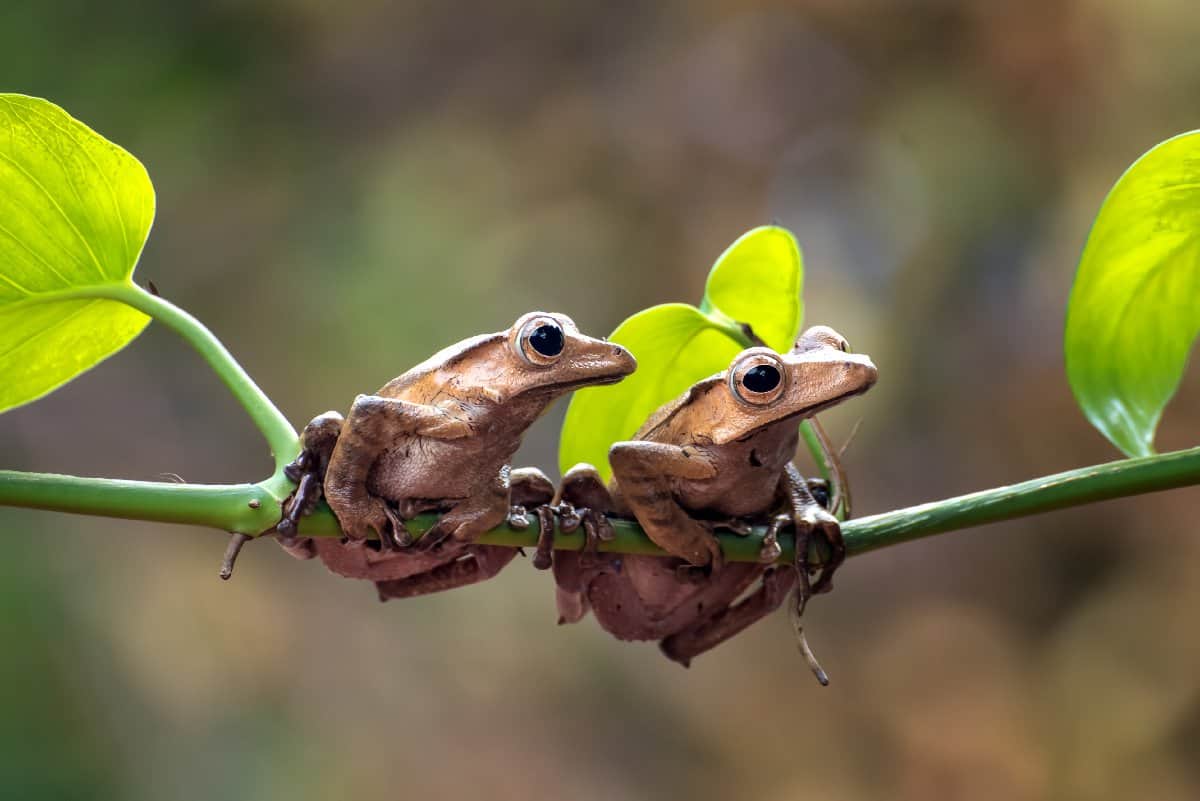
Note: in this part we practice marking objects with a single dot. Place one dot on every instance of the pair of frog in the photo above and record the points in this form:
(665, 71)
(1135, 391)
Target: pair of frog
(441, 436)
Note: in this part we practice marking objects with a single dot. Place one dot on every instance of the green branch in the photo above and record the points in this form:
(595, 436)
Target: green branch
(247, 509)
(1072, 488)
(254, 508)
(275, 428)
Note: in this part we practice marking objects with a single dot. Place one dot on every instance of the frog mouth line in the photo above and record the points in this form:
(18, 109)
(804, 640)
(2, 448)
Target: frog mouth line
(820, 407)
(585, 382)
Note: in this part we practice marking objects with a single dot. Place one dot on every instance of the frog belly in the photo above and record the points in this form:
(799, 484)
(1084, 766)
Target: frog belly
(727, 498)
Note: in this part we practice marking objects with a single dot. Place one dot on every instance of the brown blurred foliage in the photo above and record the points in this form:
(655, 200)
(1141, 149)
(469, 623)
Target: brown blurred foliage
(345, 187)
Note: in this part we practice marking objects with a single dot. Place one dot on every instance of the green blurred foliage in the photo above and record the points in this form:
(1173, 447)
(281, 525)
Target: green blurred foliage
(345, 188)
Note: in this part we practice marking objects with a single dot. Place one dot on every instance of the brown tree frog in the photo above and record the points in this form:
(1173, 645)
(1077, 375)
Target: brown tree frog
(718, 456)
(440, 438)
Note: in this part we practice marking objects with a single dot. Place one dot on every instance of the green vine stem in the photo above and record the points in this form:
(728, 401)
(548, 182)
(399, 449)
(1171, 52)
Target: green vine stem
(243, 508)
(275, 428)
(253, 508)
(1073, 488)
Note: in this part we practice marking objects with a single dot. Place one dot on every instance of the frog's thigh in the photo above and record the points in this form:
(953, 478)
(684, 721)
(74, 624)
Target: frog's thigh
(482, 563)
(357, 560)
(571, 579)
(691, 642)
(645, 471)
(622, 611)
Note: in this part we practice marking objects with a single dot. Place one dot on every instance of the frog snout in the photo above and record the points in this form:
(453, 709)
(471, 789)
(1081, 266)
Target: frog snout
(861, 365)
(624, 360)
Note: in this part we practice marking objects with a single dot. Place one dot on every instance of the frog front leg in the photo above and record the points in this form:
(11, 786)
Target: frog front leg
(685, 645)
(807, 517)
(373, 425)
(308, 471)
(583, 500)
(529, 488)
(645, 472)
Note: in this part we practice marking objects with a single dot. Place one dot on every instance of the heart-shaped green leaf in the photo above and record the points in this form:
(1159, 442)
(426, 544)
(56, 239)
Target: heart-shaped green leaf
(75, 210)
(756, 281)
(1135, 306)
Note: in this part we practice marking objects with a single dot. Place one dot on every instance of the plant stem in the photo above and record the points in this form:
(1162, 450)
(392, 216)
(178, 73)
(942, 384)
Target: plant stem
(228, 507)
(275, 428)
(1085, 485)
(1073, 488)
(245, 508)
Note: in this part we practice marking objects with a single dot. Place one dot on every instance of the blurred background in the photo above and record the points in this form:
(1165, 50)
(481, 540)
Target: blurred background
(344, 188)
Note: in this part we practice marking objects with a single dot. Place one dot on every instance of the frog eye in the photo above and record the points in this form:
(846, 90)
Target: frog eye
(757, 379)
(541, 341)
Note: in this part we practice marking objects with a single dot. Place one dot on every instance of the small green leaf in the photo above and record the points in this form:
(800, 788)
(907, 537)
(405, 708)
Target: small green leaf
(672, 343)
(1134, 310)
(75, 210)
(758, 280)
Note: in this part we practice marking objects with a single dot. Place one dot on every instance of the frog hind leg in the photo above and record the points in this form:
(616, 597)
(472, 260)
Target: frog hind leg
(308, 471)
(706, 634)
(645, 473)
(464, 522)
(481, 563)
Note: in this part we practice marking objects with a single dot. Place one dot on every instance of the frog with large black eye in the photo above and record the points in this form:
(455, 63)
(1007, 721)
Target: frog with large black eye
(718, 456)
(440, 438)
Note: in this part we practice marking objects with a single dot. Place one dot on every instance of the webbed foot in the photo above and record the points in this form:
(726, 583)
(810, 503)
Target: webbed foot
(530, 489)
(308, 471)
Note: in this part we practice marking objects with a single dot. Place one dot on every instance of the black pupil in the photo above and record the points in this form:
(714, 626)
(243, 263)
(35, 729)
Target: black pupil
(547, 340)
(761, 378)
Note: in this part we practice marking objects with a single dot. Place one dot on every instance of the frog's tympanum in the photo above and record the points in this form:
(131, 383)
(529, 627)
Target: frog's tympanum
(720, 456)
(439, 438)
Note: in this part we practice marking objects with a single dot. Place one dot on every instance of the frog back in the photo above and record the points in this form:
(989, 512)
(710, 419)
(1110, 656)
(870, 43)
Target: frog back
(669, 424)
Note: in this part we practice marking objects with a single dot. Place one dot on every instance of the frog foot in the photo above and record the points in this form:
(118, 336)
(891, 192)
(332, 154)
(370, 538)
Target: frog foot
(518, 518)
(806, 523)
(771, 549)
(826, 526)
(308, 471)
(367, 515)
(531, 490)
(596, 529)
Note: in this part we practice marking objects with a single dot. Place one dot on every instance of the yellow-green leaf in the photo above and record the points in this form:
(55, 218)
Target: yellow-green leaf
(675, 335)
(75, 210)
(1134, 310)
(755, 282)
(758, 280)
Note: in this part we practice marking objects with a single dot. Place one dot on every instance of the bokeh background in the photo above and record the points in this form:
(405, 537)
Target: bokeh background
(344, 188)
